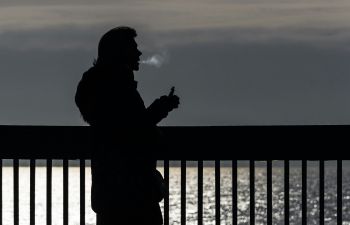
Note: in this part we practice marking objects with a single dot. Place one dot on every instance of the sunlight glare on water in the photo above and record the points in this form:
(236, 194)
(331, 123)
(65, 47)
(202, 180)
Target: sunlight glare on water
(191, 195)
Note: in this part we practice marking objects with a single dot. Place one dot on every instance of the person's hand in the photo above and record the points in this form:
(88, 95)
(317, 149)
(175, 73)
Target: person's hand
(163, 105)
(168, 103)
(173, 102)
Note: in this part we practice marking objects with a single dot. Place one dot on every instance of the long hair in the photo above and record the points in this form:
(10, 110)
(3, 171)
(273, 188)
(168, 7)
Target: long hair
(114, 44)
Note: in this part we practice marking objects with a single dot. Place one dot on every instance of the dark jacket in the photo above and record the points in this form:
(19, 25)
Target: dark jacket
(123, 182)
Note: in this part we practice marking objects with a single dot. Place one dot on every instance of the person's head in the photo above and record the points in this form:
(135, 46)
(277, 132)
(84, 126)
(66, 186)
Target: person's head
(118, 47)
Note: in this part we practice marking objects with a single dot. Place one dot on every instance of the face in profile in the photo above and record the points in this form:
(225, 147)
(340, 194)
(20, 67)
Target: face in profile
(133, 56)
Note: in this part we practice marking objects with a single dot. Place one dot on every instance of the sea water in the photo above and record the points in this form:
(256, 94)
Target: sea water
(191, 195)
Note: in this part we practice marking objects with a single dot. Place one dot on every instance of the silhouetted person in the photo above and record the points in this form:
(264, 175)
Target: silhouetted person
(126, 187)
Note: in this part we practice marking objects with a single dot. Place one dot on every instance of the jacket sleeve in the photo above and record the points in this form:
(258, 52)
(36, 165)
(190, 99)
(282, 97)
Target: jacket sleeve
(85, 99)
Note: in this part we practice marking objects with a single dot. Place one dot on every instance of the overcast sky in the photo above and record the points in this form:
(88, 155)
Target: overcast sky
(233, 62)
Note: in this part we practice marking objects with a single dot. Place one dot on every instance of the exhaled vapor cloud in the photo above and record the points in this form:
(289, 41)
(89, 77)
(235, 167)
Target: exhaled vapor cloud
(156, 60)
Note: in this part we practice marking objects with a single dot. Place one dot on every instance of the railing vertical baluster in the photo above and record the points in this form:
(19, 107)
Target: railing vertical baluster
(321, 199)
(269, 191)
(183, 192)
(82, 191)
(32, 192)
(49, 192)
(217, 192)
(0, 191)
(252, 191)
(166, 199)
(65, 192)
(15, 192)
(234, 192)
(339, 192)
(286, 192)
(200, 192)
(304, 192)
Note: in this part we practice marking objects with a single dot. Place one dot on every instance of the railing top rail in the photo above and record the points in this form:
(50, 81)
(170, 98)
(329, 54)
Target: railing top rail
(203, 142)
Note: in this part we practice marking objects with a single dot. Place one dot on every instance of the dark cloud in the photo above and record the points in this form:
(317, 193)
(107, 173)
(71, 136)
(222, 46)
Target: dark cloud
(179, 21)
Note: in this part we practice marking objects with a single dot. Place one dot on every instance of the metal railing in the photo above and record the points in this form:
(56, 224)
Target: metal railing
(73, 143)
